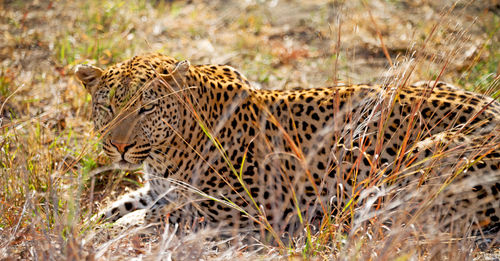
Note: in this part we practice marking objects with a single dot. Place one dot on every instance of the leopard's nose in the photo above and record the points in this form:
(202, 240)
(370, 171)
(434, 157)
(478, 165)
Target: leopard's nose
(121, 147)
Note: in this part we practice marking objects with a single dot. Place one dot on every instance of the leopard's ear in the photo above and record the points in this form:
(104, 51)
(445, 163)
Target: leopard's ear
(89, 76)
(177, 76)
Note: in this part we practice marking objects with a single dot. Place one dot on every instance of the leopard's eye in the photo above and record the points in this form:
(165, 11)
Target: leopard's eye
(147, 108)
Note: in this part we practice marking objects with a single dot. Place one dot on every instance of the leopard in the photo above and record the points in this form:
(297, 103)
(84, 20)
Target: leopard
(217, 151)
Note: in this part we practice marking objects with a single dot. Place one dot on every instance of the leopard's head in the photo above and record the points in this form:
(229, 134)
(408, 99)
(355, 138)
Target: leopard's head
(135, 104)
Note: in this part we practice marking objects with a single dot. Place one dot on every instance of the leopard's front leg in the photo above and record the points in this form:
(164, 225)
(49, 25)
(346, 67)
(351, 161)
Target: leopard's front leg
(145, 197)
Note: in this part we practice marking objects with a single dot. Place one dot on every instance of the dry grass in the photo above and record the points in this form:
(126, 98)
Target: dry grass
(47, 148)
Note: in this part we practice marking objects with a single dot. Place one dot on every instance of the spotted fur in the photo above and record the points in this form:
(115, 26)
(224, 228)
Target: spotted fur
(203, 133)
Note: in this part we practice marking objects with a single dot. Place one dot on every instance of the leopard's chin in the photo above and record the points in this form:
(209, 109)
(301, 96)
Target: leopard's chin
(125, 165)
